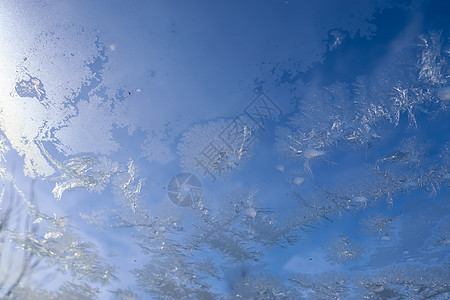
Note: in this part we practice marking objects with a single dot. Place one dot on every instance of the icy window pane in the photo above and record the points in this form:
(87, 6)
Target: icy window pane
(224, 150)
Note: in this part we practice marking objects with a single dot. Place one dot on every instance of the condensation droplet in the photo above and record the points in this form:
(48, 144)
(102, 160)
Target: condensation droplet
(250, 212)
(279, 168)
(298, 180)
(311, 153)
(444, 93)
(359, 199)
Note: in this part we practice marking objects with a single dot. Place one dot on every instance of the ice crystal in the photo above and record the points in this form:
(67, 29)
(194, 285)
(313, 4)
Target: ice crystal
(258, 286)
(413, 166)
(83, 172)
(341, 250)
(16, 265)
(65, 250)
(216, 148)
(240, 228)
(68, 290)
(170, 276)
(430, 63)
(324, 286)
(186, 247)
(127, 187)
(410, 281)
(125, 295)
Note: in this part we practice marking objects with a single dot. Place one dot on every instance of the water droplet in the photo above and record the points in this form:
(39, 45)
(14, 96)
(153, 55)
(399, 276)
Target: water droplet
(444, 93)
(359, 199)
(279, 168)
(298, 180)
(311, 153)
(250, 212)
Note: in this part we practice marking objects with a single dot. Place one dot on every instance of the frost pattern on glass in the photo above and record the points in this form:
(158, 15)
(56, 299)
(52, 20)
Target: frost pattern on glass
(204, 148)
(340, 113)
(341, 250)
(33, 241)
(261, 286)
(380, 226)
(40, 105)
(83, 171)
(60, 246)
(67, 290)
(440, 237)
(410, 281)
(222, 239)
(32, 87)
(16, 265)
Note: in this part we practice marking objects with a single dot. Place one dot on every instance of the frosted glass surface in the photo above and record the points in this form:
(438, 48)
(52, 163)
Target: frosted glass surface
(224, 149)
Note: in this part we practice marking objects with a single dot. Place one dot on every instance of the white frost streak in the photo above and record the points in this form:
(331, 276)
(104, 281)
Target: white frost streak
(25, 120)
(56, 111)
(127, 188)
(82, 172)
(21, 121)
(201, 148)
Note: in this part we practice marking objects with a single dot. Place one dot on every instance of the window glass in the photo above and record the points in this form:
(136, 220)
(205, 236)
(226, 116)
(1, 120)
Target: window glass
(224, 149)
